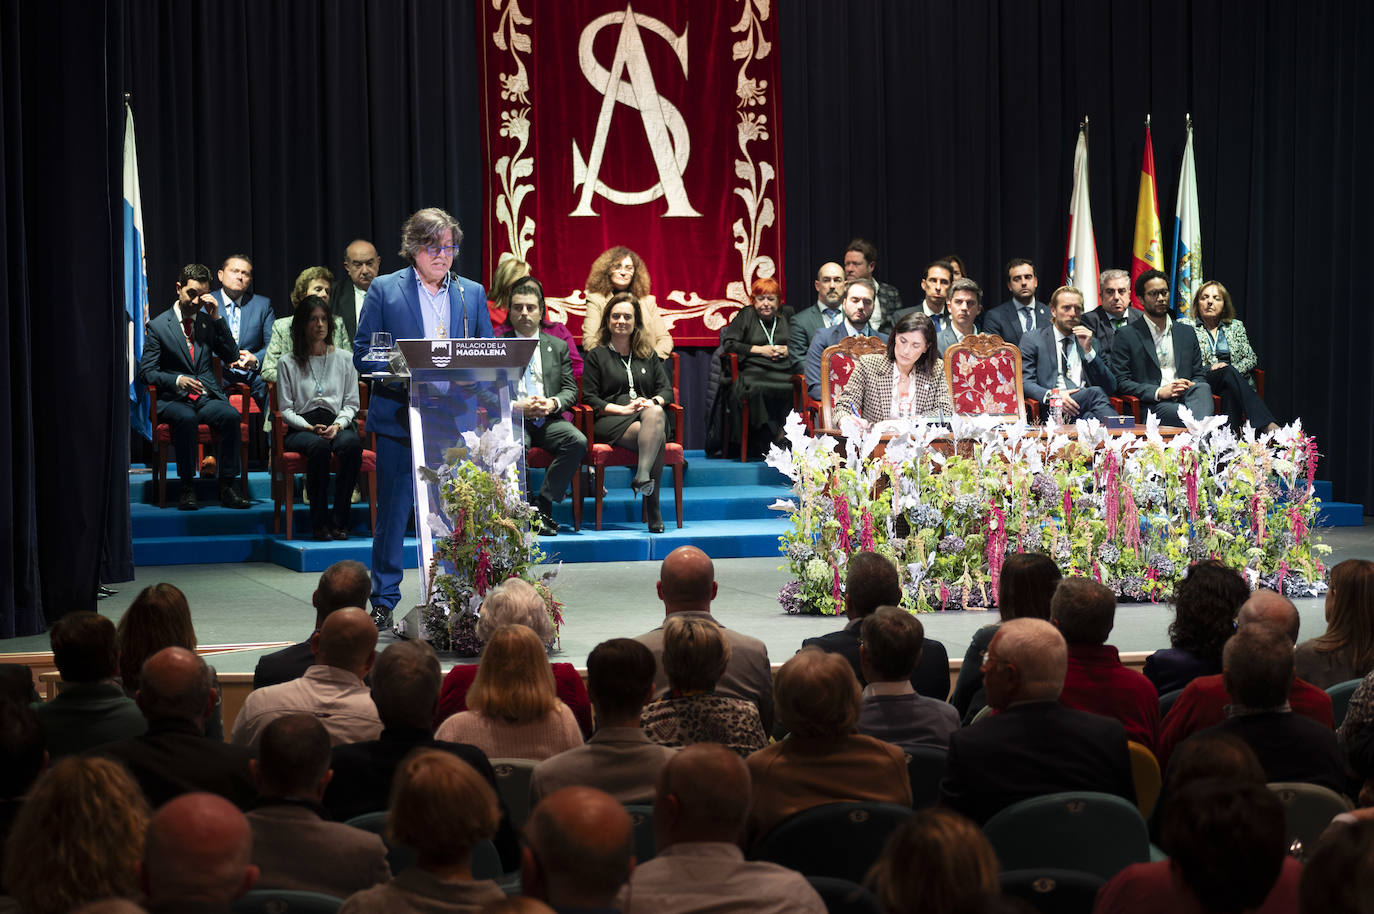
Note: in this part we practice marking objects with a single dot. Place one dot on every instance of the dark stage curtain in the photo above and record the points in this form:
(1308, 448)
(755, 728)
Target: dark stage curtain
(285, 130)
(65, 423)
(948, 126)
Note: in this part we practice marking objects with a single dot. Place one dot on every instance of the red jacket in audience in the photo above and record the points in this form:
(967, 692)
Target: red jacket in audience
(1097, 681)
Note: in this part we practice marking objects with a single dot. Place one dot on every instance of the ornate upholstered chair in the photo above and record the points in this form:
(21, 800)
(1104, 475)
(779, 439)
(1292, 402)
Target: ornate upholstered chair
(984, 375)
(837, 364)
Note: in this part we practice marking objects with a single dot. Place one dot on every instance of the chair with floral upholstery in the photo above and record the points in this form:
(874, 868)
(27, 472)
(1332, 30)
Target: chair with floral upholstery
(837, 364)
(984, 375)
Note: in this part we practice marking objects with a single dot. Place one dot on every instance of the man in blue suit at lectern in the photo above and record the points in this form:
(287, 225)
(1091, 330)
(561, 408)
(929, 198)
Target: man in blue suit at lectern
(423, 301)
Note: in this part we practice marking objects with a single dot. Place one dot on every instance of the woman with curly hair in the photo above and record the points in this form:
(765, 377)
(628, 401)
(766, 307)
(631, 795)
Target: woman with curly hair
(78, 837)
(621, 270)
(956, 861)
(159, 617)
(1346, 650)
(1205, 605)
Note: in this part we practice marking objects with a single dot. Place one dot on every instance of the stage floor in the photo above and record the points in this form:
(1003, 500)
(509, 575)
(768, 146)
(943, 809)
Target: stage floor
(259, 602)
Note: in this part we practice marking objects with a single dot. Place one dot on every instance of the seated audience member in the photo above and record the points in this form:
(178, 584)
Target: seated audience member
(1062, 364)
(965, 304)
(1229, 360)
(700, 804)
(1113, 309)
(159, 617)
(90, 708)
(1257, 669)
(343, 584)
(505, 277)
(823, 760)
(405, 689)
(293, 847)
(1227, 853)
(860, 262)
(758, 335)
(1024, 590)
(1346, 650)
(197, 857)
(956, 861)
(694, 655)
(332, 689)
(620, 270)
(249, 316)
(1096, 680)
(892, 711)
(687, 586)
(1210, 754)
(619, 758)
(1339, 875)
(1021, 313)
(22, 759)
(579, 850)
(904, 384)
(310, 282)
(1158, 360)
(830, 284)
(1035, 745)
(175, 756)
(857, 306)
(871, 581)
(1205, 605)
(78, 838)
(513, 707)
(1356, 734)
(935, 283)
(441, 808)
(515, 602)
(1203, 703)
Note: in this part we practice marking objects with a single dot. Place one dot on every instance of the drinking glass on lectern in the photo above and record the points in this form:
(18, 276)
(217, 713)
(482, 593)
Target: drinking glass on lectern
(381, 347)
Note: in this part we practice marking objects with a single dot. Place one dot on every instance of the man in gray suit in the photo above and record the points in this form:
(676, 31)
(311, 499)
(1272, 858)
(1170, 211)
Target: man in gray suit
(808, 322)
(1159, 360)
(293, 846)
(1062, 363)
(1114, 310)
(965, 304)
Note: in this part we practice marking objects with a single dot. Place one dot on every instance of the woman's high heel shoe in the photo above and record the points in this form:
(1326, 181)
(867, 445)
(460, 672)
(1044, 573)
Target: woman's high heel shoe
(652, 515)
(643, 487)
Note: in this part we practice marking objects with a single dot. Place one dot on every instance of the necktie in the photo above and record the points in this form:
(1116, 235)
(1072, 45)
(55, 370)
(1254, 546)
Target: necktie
(832, 317)
(188, 327)
(1065, 380)
(1027, 319)
(1118, 322)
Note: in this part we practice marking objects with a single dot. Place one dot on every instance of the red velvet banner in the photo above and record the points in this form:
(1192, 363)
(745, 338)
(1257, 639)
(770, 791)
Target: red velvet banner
(653, 126)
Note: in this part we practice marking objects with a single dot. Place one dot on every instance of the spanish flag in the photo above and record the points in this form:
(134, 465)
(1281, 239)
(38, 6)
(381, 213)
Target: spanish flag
(1147, 251)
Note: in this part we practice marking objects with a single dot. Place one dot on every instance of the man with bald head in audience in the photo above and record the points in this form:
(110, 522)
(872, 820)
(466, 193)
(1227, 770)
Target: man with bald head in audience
(830, 286)
(361, 263)
(687, 585)
(332, 689)
(700, 804)
(343, 584)
(1034, 745)
(871, 581)
(175, 756)
(197, 856)
(579, 850)
(1204, 701)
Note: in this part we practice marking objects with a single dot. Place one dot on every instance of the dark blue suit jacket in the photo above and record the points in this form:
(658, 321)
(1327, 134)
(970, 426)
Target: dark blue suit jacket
(255, 322)
(822, 340)
(393, 305)
(1040, 365)
(930, 678)
(165, 354)
(1136, 367)
(1006, 323)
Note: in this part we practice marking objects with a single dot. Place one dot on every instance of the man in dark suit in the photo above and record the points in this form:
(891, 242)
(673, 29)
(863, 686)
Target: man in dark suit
(1021, 313)
(1062, 362)
(860, 260)
(830, 284)
(1114, 309)
(546, 390)
(1159, 360)
(175, 756)
(857, 307)
(423, 301)
(361, 262)
(1035, 745)
(90, 708)
(965, 304)
(342, 585)
(871, 581)
(178, 350)
(935, 284)
(250, 317)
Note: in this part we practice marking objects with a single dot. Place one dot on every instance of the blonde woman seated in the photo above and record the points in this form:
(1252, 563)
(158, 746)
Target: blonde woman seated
(621, 270)
(503, 279)
(441, 808)
(887, 391)
(695, 653)
(513, 707)
(317, 281)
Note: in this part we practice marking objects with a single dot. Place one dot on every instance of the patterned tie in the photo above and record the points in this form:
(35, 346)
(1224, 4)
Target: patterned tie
(1027, 318)
(832, 317)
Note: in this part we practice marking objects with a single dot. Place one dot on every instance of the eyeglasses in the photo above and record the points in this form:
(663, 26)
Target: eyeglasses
(448, 250)
(1157, 293)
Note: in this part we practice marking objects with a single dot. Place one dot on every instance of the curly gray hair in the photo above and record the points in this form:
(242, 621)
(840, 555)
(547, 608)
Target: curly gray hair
(514, 602)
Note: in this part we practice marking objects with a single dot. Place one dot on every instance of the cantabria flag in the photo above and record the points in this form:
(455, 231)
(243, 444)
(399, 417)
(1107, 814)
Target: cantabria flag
(1080, 252)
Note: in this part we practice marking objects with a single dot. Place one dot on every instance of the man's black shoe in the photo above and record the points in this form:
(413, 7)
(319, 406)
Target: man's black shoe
(229, 497)
(382, 619)
(188, 500)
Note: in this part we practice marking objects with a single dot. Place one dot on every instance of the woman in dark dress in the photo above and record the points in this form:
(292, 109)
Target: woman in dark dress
(758, 335)
(627, 387)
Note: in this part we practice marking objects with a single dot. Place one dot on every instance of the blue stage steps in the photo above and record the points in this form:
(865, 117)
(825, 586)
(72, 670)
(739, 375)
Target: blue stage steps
(725, 508)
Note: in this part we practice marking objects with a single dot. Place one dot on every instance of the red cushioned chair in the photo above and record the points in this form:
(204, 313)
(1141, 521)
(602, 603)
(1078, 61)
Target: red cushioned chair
(540, 459)
(799, 404)
(983, 372)
(286, 465)
(599, 456)
(837, 364)
(162, 440)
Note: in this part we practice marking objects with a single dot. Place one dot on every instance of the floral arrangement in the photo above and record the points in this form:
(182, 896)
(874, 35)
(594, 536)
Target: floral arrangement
(947, 505)
(481, 537)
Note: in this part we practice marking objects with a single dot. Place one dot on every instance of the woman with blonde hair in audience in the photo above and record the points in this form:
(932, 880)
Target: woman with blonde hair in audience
(695, 653)
(955, 861)
(78, 837)
(316, 281)
(441, 809)
(503, 279)
(513, 707)
(621, 270)
(1346, 650)
(824, 759)
(516, 602)
(159, 617)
